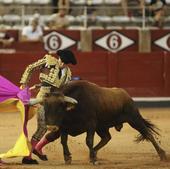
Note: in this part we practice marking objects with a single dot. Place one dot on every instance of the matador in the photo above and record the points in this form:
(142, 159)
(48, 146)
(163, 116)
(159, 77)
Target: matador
(54, 72)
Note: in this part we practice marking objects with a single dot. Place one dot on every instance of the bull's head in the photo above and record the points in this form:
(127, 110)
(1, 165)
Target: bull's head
(56, 106)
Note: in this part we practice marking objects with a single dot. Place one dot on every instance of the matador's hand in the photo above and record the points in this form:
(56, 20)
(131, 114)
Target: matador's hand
(23, 86)
(36, 86)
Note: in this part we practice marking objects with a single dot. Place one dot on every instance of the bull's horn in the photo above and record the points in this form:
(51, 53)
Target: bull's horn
(35, 101)
(70, 100)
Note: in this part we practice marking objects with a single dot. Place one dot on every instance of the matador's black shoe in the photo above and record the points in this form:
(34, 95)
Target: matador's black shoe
(26, 160)
(41, 156)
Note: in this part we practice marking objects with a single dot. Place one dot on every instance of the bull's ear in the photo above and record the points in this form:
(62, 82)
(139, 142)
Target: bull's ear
(71, 103)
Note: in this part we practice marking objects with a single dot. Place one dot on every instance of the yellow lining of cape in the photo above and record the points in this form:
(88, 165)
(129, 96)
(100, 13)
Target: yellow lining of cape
(22, 146)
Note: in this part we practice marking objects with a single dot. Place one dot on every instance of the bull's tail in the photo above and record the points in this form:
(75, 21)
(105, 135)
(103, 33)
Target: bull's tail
(146, 130)
(149, 129)
(145, 127)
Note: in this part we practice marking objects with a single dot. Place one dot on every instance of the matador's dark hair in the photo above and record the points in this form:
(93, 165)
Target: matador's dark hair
(67, 56)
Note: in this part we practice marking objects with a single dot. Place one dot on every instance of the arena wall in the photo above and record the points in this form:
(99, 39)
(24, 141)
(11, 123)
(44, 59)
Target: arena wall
(141, 74)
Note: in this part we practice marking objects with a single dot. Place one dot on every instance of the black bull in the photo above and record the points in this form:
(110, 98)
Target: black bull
(97, 110)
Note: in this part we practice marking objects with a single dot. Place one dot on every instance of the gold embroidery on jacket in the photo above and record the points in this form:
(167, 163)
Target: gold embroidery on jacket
(52, 77)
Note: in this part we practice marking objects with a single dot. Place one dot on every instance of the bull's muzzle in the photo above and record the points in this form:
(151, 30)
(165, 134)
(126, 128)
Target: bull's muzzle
(52, 128)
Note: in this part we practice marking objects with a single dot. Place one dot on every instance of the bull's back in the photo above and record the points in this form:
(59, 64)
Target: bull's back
(96, 97)
(100, 104)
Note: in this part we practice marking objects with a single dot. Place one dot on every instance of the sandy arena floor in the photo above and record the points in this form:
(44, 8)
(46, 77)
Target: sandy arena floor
(120, 153)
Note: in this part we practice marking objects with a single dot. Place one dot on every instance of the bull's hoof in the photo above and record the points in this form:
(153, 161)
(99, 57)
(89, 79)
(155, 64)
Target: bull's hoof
(26, 160)
(41, 156)
(94, 162)
(93, 157)
(68, 160)
(163, 156)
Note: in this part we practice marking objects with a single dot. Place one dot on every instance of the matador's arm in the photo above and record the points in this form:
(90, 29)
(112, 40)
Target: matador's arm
(47, 60)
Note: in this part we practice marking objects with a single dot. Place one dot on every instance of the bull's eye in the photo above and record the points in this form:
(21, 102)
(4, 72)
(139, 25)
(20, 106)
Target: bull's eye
(63, 105)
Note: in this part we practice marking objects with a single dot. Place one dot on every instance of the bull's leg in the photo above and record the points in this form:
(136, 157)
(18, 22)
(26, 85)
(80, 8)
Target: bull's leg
(159, 150)
(66, 152)
(105, 138)
(89, 142)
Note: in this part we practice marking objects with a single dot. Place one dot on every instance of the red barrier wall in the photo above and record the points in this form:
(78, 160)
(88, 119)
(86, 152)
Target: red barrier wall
(141, 74)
